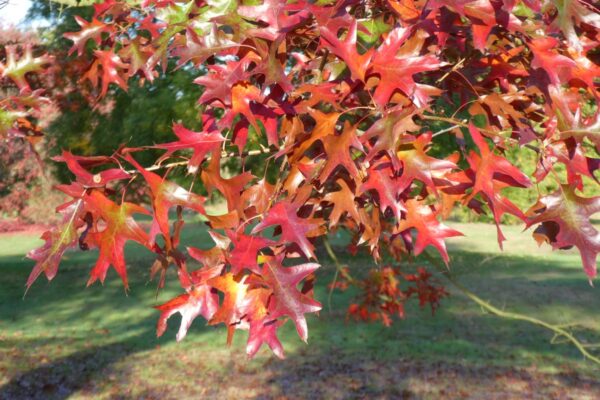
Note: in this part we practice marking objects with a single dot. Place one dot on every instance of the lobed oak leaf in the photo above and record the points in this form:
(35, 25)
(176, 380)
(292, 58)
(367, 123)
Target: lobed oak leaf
(287, 299)
(86, 178)
(201, 143)
(416, 164)
(346, 50)
(430, 231)
(324, 126)
(396, 71)
(326, 92)
(200, 299)
(245, 251)
(272, 65)
(492, 173)
(120, 228)
(571, 154)
(234, 304)
(16, 68)
(338, 149)
(220, 79)
(230, 188)
(56, 242)
(112, 70)
(389, 131)
(264, 332)
(293, 228)
(215, 256)
(242, 95)
(231, 220)
(197, 49)
(90, 30)
(558, 67)
(166, 194)
(257, 198)
(564, 219)
(275, 16)
(150, 24)
(381, 180)
(343, 203)
(501, 109)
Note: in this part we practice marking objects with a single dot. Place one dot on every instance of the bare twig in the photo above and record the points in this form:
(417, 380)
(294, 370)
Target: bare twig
(339, 269)
(224, 154)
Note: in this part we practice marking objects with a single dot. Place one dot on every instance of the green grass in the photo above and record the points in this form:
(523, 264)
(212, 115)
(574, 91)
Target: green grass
(64, 340)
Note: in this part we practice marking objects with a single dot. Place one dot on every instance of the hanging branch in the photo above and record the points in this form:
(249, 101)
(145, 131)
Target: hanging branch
(559, 330)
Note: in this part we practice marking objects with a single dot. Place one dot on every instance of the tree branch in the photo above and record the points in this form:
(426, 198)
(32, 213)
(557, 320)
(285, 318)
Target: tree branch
(559, 330)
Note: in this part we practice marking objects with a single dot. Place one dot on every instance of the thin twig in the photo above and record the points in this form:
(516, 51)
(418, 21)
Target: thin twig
(445, 130)
(339, 269)
(223, 155)
(458, 123)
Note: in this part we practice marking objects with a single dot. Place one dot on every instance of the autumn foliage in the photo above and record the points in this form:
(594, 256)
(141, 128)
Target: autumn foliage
(346, 100)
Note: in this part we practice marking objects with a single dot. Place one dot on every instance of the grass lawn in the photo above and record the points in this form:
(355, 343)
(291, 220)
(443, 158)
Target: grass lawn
(67, 341)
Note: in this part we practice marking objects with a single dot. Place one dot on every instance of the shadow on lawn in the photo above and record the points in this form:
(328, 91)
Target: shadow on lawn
(335, 378)
(61, 377)
(447, 356)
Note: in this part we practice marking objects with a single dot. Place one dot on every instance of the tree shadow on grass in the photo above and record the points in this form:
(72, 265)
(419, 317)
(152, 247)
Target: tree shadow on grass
(61, 377)
(322, 375)
(447, 356)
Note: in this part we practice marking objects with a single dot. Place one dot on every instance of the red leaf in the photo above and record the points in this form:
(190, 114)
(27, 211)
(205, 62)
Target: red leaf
(199, 300)
(120, 227)
(89, 31)
(416, 164)
(293, 229)
(86, 178)
(166, 194)
(272, 13)
(113, 70)
(339, 152)
(287, 299)
(429, 230)
(206, 141)
(230, 188)
(380, 178)
(57, 241)
(346, 50)
(396, 71)
(245, 251)
(264, 332)
(558, 67)
(492, 173)
(571, 213)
